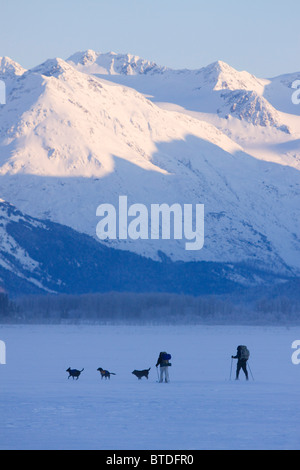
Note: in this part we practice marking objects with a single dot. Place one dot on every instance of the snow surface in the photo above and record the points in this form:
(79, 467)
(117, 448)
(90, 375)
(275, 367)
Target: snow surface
(199, 409)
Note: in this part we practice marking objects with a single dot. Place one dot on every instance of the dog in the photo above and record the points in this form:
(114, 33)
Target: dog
(74, 373)
(141, 373)
(105, 373)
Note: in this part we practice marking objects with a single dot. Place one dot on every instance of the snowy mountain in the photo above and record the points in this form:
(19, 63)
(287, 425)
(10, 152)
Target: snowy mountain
(39, 256)
(218, 75)
(278, 92)
(10, 68)
(14, 260)
(113, 64)
(71, 139)
(256, 113)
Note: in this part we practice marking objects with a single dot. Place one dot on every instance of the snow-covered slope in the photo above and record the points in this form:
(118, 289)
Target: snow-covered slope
(59, 122)
(70, 141)
(217, 75)
(256, 113)
(9, 68)
(39, 256)
(14, 258)
(113, 64)
(279, 90)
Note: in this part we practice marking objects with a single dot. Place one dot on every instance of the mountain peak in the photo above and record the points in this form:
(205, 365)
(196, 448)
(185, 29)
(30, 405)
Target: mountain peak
(52, 67)
(219, 66)
(222, 76)
(10, 68)
(84, 57)
(111, 63)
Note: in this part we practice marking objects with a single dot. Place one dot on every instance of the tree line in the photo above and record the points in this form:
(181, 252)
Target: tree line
(7, 307)
(154, 308)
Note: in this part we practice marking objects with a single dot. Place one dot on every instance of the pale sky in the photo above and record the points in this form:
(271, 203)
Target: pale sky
(262, 37)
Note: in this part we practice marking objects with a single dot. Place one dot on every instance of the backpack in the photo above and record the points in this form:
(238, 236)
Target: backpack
(244, 352)
(166, 357)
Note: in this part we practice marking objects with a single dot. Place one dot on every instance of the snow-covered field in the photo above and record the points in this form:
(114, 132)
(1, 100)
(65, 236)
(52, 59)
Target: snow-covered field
(199, 409)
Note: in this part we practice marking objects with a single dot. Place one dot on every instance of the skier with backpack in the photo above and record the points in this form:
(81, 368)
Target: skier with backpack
(242, 356)
(163, 362)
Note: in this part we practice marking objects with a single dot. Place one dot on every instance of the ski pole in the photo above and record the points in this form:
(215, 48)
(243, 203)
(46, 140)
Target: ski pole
(250, 371)
(230, 369)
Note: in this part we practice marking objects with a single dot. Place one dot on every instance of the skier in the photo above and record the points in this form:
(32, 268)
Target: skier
(242, 356)
(163, 362)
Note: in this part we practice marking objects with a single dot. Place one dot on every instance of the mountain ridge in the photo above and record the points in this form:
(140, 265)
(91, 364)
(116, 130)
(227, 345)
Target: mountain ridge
(42, 257)
(70, 140)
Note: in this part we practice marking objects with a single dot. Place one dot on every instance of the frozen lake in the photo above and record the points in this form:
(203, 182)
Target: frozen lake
(199, 409)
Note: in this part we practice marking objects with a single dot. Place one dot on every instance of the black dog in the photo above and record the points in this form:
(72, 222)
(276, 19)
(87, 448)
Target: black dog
(105, 373)
(74, 373)
(141, 373)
